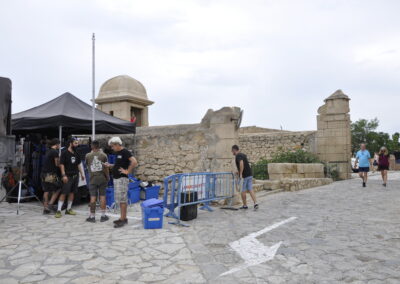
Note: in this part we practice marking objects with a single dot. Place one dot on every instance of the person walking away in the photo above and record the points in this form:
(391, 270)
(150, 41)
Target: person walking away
(363, 158)
(383, 164)
(124, 164)
(99, 175)
(245, 176)
(50, 176)
(71, 168)
(376, 158)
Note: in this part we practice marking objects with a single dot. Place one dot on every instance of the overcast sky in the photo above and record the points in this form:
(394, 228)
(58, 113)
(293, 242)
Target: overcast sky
(278, 60)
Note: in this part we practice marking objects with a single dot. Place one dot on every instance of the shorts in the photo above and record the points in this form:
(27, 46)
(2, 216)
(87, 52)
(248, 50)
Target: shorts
(50, 186)
(383, 168)
(71, 186)
(247, 184)
(363, 169)
(98, 188)
(121, 190)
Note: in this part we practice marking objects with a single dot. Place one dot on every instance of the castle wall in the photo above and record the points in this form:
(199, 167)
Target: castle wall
(258, 146)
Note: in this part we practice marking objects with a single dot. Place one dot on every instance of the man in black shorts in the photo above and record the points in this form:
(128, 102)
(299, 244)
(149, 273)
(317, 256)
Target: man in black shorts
(50, 175)
(70, 165)
(99, 175)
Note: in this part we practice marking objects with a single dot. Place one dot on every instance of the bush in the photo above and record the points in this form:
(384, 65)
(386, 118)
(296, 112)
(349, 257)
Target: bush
(260, 169)
(298, 156)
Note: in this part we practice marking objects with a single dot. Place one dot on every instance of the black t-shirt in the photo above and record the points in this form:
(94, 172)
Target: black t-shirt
(71, 162)
(49, 165)
(121, 161)
(246, 170)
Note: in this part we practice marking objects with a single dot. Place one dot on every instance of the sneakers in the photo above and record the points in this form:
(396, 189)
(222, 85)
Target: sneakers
(58, 214)
(105, 218)
(91, 220)
(120, 223)
(244, 207)
(384, 184)
(53, 208)
(70, 212)
(364, 184)
(255, 206)
(118, 220)
(46, 211)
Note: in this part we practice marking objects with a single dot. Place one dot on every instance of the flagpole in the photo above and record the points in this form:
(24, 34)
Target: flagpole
(93, 93)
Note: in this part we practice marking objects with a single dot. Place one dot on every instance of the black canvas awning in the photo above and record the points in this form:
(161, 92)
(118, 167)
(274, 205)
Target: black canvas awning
(72, 114)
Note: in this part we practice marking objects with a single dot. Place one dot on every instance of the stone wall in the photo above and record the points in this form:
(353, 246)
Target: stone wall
(166, 150)
(278, 171)
(259, 146)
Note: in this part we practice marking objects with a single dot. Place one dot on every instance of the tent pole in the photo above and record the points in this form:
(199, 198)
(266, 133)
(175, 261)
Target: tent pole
(60, 138)
(93, 95)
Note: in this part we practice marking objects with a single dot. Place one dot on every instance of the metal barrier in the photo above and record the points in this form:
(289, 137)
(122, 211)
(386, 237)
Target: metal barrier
(179, 190)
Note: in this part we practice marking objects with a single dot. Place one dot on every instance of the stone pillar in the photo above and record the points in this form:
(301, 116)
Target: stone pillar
(223, 133)
(333, 140)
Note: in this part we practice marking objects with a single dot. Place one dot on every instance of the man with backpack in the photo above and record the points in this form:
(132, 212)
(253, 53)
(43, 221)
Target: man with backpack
(99, 177)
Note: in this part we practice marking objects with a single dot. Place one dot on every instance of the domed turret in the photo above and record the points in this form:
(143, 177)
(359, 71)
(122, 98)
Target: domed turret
(126, 98)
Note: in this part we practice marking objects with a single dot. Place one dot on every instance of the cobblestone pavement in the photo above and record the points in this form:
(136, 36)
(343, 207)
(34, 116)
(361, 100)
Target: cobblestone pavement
(343, 234)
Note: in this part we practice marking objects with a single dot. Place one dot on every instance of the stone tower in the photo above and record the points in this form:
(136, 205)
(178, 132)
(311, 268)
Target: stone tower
(333, 141)
(125, 98)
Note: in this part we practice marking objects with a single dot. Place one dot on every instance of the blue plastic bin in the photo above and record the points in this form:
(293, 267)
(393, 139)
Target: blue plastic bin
(110, 196)
(150, 192)
(133, 193)
(152, 217)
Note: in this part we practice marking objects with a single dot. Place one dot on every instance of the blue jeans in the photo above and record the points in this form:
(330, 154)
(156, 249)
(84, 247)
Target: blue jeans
(247, 184)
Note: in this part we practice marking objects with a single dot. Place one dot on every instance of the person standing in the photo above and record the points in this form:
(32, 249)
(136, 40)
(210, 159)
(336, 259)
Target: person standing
(70, 165)
(124, 164)
(51, 176)
(364, 163)
(99, 176)
(383, 164)
(245, 176)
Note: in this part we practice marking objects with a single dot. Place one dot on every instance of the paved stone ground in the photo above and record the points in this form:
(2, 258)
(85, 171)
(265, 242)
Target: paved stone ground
(343, 234)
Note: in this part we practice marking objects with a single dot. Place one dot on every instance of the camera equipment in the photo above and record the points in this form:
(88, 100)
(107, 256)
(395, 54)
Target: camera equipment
(20, 183)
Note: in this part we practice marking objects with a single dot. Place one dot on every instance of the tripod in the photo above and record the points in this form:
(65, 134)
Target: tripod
(20, 183)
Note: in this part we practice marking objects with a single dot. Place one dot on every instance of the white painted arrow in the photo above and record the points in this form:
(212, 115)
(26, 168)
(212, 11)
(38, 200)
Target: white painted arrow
(252, 251)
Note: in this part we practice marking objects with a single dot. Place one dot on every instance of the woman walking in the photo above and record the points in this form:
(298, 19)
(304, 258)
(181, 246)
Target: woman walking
(383, 164)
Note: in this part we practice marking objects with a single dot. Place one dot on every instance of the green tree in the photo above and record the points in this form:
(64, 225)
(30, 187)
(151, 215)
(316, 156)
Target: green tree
(360, 132)
(364, 131)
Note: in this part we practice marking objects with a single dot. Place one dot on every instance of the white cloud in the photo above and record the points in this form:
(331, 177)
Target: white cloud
(276, 59)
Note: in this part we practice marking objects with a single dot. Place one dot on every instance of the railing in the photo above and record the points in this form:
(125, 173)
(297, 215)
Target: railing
(195, 188)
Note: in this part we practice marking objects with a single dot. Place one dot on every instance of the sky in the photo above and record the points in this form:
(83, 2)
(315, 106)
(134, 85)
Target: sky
(277, 60)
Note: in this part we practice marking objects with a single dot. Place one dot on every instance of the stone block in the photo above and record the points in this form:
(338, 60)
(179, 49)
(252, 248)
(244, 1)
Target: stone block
(284, 168)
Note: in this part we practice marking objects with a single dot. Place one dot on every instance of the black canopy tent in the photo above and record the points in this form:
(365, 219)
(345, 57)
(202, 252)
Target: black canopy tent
(70, 115)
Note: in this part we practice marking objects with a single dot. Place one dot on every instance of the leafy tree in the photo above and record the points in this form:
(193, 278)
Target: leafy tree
(364, 131)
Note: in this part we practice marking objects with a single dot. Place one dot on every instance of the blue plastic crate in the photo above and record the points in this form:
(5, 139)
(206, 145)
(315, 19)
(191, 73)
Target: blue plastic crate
(152, 217)
(110, 196)
(133, 193)
(150, 192)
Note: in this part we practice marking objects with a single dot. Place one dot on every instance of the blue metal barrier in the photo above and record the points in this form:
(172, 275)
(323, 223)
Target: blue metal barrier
(178, 190)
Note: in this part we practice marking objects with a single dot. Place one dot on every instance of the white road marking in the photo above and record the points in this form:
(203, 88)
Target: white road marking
(252, 251)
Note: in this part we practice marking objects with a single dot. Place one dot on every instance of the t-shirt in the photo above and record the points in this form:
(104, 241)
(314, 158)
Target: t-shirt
(363, 158)
(95, 167)
(384, 160)
(121, 161)
(49, 165)
(246, 169)
(71, 162)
